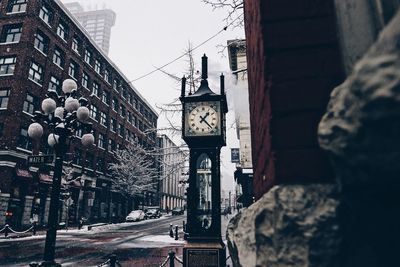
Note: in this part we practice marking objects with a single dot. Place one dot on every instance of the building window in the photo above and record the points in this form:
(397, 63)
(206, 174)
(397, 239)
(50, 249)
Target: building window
(100, 165)
(121, 130)
(55, 84)
(124, 93)
(36, 73)
(129, 117)
(24, 141)
(59, 57)
(11, 33)
(89, 160)
(93, 112)
(101, 141)
(115, 104)
(77, 157)
(62, 31)
(7, 65)
(76, 44)
(122, 111)
(105, 97)
(96, 89)
(111, 145)
(97, 66)
(107, 76)
(113, 125)
(73, 69)
(115, 85)
(41, 42)
(130, 99)
(31, 103)
(15, 6)
(45, 14)
(4, 96)
(103, 118)
(85, 80)
(88, 56)
(79, 133)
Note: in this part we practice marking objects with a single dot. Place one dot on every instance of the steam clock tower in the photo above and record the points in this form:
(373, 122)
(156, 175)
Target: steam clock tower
(203, 129)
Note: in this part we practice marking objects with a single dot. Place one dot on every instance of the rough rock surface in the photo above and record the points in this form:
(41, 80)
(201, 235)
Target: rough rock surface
(291, 225)
(361, 127)
(361, 131)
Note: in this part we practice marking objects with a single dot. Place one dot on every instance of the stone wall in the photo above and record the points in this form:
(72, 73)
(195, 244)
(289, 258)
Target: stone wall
(361, 130)
(291, 225)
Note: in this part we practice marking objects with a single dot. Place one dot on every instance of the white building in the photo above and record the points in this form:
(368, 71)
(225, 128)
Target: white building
(240, 95)
(172, 173)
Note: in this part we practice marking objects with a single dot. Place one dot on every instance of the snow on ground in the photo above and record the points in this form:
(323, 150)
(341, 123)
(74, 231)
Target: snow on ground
(162, 239)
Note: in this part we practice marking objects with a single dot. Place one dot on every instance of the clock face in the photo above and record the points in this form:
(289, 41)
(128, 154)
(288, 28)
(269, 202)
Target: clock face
(203, 118)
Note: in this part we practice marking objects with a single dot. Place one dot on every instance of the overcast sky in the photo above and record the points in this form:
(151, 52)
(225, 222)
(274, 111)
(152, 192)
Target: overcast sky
(151, 33)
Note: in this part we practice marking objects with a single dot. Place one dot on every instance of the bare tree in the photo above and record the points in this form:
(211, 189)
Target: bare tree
(134, 171)
(234, 9)
(172, 111)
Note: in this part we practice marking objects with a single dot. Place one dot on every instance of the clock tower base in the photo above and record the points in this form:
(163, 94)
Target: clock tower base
(204, 254)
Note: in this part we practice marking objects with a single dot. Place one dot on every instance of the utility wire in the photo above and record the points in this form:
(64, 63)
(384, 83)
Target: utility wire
(181, 56)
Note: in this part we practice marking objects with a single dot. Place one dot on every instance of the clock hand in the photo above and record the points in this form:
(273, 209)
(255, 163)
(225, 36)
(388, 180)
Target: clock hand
(208, 124)
(203, 119)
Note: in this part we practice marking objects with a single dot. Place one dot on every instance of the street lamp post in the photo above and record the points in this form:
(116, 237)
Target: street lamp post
(70, 115)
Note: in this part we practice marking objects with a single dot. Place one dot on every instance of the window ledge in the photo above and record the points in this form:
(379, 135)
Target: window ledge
(8, 74)
(40, 51)
(17, 12)
(24, 150)
(73, 78)
(45, 22)
(8, 43)
(58, 66)
(27, 113)
(35, 82)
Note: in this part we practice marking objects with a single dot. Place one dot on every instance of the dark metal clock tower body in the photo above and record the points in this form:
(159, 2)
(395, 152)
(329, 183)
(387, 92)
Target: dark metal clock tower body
(203, 129)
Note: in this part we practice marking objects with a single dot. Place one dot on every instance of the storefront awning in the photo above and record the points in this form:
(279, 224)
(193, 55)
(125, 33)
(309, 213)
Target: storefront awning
(45, 178)
(23, 173)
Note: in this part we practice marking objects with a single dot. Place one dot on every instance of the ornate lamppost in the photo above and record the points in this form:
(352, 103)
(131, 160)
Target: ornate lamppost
(64, 114)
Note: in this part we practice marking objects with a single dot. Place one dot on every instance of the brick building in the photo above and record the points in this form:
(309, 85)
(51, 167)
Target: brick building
(294, 62)
(41, 45)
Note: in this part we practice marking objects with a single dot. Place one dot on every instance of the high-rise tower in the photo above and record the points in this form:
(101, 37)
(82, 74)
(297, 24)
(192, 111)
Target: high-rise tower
(97, 23)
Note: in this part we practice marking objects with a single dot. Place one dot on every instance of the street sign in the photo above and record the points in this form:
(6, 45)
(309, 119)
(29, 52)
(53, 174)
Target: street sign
(40, 159)
(235, 156)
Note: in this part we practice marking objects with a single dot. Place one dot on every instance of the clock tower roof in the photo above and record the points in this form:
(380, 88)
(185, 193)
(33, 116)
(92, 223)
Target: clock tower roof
(203, 90)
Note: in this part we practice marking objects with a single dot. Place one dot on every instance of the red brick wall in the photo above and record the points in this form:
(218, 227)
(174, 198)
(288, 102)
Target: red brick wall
(293, 64)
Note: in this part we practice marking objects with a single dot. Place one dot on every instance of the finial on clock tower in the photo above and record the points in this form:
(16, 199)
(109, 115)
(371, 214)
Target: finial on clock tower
(204, 74)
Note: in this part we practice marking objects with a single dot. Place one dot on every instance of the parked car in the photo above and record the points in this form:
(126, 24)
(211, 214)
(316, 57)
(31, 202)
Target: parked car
(135, 215)
(153, 213)
(177, 211)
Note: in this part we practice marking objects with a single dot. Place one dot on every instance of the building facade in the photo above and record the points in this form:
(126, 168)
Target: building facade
(42, 45)
(97, 23)
(172, 174)
(299, 53)
(244, 169)
(290, 77)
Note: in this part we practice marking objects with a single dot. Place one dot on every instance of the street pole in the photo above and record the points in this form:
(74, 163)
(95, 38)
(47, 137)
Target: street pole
(229, 200)
(49, 249)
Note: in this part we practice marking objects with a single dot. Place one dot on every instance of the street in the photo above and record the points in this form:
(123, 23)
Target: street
(144, 243)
